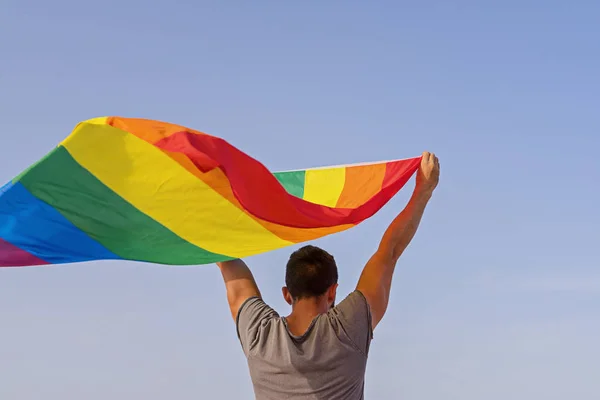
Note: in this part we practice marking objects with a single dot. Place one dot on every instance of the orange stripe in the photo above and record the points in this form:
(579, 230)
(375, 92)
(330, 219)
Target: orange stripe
(362, 183)
(148, 130)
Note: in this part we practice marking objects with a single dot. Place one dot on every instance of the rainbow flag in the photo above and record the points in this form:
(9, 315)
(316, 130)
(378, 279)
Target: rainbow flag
(143, 190)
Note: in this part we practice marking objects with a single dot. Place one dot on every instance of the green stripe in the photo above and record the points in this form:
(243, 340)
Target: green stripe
(292, 181)
(62, 183)
(32, 166)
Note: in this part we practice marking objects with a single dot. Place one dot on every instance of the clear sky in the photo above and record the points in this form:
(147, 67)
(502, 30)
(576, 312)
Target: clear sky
(497, 298)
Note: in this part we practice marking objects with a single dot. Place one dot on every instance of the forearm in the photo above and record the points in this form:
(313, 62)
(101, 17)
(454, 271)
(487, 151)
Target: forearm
(239, 283)
(235, 270)
(401, 231)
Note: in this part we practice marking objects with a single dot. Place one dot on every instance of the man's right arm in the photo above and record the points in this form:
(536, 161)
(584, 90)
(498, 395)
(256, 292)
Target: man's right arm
(376, 279)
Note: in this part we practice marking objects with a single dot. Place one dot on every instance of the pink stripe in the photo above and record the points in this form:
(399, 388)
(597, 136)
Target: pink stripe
(12, 256)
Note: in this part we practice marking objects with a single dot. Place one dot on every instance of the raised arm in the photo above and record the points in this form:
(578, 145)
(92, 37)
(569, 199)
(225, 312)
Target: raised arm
(239, 283)
(376, 279)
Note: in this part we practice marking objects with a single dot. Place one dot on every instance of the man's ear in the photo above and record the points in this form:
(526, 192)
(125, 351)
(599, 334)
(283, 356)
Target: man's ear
(331, 293)
(287, 295)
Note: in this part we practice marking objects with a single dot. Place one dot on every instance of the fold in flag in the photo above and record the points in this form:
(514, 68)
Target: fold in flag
(155, 192)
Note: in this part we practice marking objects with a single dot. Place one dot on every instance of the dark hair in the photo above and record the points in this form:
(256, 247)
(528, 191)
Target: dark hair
(310, 271)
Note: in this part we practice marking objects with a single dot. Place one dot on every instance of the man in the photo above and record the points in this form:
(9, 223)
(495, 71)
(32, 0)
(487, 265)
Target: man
(320, 350)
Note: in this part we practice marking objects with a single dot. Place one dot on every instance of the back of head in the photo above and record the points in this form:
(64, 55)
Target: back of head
(310, 272)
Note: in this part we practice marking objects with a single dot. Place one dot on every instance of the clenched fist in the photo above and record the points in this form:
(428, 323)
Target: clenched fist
(429, 173)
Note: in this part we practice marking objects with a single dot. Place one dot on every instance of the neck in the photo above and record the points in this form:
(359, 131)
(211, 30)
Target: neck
(310, 307)
(303, 313)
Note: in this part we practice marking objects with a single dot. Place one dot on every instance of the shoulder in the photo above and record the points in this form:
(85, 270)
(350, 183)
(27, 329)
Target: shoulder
(254, 309)
(353, 303)
(253, 318)
(352, 316)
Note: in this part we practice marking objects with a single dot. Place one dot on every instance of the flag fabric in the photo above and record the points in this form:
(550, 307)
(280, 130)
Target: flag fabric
(144, 190)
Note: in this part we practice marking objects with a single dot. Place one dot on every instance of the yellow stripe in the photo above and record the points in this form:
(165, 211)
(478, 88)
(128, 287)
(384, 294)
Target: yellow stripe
(98, 120)
(324, 186)
(162, 189)
(95, 121)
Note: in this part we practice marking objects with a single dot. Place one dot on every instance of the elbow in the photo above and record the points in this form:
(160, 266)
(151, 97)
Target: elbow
(397, 249)
(389, 254)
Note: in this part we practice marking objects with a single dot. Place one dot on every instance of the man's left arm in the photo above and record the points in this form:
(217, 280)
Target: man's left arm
(239, 283)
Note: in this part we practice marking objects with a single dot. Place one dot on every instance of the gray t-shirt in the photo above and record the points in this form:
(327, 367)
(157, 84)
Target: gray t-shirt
(327, 362)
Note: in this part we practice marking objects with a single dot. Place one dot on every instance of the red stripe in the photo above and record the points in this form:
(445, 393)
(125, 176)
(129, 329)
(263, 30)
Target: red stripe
(262, 195)
(397, 170)
(12, 256)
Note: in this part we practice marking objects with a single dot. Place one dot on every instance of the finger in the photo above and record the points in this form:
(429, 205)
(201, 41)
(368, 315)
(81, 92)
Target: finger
(431, 159)
(426, 156)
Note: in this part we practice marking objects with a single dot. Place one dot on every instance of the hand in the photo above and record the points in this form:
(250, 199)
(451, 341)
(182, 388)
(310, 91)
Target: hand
(428, 174)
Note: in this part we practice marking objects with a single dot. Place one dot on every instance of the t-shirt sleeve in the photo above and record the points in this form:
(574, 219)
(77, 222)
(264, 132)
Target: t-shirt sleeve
(253, 316)
(354, 314)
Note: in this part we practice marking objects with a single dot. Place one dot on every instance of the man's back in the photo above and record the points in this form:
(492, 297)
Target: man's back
(327, 362)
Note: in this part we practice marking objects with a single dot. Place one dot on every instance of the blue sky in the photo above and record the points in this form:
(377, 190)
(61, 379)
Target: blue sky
(498, 296)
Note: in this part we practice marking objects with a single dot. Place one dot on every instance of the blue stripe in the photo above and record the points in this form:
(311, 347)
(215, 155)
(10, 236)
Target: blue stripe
(5, 187)
(36, 227)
